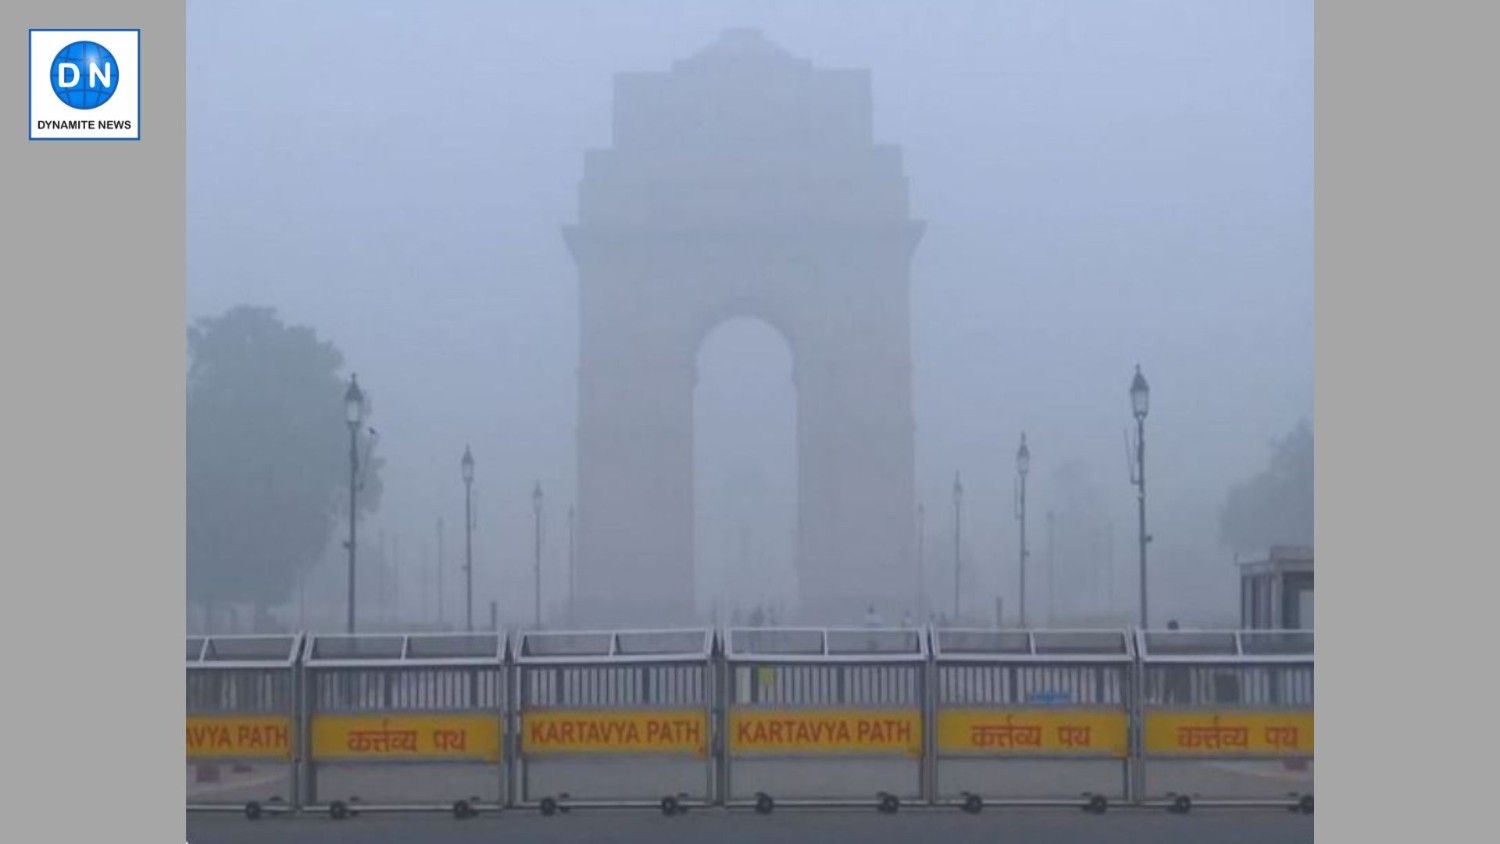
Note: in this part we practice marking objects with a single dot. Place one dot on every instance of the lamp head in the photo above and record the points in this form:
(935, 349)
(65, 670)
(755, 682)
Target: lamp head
(1140, 394)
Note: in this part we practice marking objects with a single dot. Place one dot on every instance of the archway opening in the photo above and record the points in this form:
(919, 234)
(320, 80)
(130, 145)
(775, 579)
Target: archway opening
(745, 474)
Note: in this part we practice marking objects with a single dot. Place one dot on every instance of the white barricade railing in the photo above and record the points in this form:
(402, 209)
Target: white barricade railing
(824, 716)
(1224, 718)
(615, 718)
(755, 716)
(1031, 716)
(243, 745)
(405, 722)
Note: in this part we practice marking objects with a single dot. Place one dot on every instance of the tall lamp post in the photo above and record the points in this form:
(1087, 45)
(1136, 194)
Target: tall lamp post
(572, 582)
(467, 464)
(354, 414)
(958, 539)
(1051, 567)
(921, 564)
(536, 572)
(1140, 403)
(1023, 466)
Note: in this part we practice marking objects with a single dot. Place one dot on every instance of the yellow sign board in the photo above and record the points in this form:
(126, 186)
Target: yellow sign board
(680, 731)
(1033, 732)
(1230, 732)
(381, 737)
(819, 731)
(239, 737)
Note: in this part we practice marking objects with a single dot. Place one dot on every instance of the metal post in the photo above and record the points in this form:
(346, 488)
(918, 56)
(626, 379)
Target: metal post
(536, 506)
(958, 540)
(1023, 551)
(1023, 466)
(353, 473)
(1140, 403)
(1051, 568)
(921, 564)
(1140, 474)
(440, 557)
(469, 555)
(1109, 557)
(572, 582)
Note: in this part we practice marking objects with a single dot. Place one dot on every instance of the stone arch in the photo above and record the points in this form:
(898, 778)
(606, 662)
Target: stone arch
(744, 467)
(744, 182)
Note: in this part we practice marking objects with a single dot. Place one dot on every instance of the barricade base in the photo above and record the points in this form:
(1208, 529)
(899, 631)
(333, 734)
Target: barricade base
(1030, 779)
(850, 778)
(613, 779)
(1224, 780)
(408, 783)
(231, 788)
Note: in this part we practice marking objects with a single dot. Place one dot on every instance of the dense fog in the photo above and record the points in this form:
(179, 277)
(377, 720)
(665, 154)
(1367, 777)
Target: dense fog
(1102, 185)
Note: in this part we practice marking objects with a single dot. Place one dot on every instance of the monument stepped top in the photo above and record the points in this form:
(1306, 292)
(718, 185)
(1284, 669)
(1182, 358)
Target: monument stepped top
(737, 48)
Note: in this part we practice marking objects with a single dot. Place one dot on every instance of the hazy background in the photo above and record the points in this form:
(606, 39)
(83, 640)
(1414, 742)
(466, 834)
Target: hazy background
(1104, 183)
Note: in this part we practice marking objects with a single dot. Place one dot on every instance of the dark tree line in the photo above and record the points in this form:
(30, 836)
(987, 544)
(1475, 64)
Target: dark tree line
(1274, 507)
(267, 457)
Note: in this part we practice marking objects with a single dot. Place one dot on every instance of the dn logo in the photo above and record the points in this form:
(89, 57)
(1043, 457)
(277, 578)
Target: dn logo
(84, 75)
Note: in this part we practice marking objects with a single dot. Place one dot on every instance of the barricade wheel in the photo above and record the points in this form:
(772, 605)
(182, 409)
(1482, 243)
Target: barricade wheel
(337, 810)
(763, 803)
(1098, 804)
(548, 806)
(462, 809)
(889, 803)
(252, 810)
(1182, 804)
(669, 805)
(1305, 804)
(973, 804)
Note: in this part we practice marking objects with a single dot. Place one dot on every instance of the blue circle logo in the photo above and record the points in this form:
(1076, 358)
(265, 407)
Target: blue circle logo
(85, 75)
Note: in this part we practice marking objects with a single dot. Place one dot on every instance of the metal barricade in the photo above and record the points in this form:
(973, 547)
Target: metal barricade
(824, 717)
(1226, 718)
(399, 722)
(622, 718)
(1031, 717)
(242, 741)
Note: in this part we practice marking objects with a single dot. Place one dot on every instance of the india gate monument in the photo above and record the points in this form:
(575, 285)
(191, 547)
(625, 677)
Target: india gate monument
(744, 182)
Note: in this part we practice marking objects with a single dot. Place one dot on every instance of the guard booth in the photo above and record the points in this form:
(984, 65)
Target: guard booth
(623, 718)
(1226, 717)
(405, 722)
(824, 717)
(242, 739)
(1276, 593)
(1032, 717)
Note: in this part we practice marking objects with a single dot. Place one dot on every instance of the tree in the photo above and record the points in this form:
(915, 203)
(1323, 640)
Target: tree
(1276, 506)
(267, 456)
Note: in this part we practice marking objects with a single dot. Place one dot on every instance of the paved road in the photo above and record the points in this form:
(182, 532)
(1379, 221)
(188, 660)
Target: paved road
(1034, 826)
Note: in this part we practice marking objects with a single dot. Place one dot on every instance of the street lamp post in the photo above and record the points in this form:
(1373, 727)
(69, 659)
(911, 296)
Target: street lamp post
(921, 564)
(1051, 567)
(354, 415)
(1023, 466)
(958, 539)
(441, 558)
(1140, 403)
(536, 572)
(572, 582)
(467, 464)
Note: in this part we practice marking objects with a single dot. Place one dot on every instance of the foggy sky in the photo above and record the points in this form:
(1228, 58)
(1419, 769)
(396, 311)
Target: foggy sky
(1103, 183)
